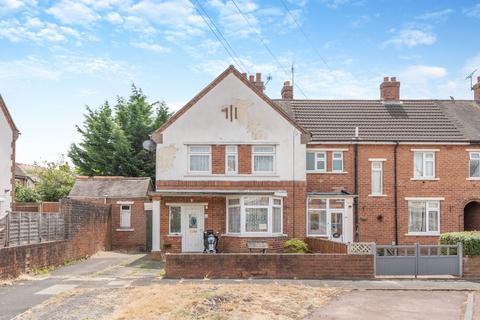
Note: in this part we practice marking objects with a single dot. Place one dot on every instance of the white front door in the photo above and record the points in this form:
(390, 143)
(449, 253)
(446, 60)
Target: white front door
(335, 225)
(193, 219)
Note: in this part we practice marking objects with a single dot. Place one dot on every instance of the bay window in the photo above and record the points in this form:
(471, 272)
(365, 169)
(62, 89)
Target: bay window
(474, 164)
(254, 215)
(263, 159)
(424, 217)
(199, 159)
(424, 165)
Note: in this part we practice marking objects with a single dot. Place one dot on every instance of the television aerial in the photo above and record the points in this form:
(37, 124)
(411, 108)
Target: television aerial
(470, 76)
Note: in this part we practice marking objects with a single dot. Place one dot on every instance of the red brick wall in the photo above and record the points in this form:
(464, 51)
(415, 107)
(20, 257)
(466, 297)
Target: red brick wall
(135, 239)
(376, 214)
(280, 266)
(87, 230)
(245, 159)
(293, 216)
(319, 245)
(218, 159)
(239, 244)
(471, 267)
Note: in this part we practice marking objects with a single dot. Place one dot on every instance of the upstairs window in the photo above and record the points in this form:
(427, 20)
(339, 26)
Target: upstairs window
(231, 159)
(474, 164)
(263, 159)
(377, 178)
(317, 161)
(424, 165)
(199, 159)
(337, 161)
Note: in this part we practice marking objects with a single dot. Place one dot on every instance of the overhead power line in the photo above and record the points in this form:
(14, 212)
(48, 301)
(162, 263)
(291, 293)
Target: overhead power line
(218, 34)
(309, 41)
(262, 41)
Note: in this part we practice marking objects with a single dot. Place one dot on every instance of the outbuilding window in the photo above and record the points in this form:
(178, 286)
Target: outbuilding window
(254, 215)
(125, 216)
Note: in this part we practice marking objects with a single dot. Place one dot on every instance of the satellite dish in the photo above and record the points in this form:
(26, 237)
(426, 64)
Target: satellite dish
(149, 145)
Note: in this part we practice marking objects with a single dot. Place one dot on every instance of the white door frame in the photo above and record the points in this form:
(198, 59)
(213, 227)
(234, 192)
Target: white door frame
(184, 209)
(329, 224)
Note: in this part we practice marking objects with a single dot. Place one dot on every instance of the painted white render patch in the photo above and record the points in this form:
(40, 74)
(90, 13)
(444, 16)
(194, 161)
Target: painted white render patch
(56, 289)
(6, 139)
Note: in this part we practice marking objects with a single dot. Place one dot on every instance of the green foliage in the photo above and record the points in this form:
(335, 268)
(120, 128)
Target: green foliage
(470, 241)
(112, 143)
(26, 194)
(295, 246)
(55, 180)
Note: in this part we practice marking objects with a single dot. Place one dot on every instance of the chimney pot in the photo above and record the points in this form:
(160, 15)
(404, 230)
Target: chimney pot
(244, 74)
(390, 89)
(478, 79)
(251, 78)
(259, 76)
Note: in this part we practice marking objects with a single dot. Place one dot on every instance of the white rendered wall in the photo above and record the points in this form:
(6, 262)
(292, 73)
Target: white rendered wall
(206, 123)
(6, 137)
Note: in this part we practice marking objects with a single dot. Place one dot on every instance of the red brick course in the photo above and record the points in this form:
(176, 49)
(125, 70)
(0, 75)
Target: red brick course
(319, 245)
(471, 267)
(278, 266)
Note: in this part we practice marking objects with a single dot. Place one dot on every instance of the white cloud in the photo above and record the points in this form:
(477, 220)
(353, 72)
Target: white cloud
(422, 73)
(334, 4)
(473, 12)
(114, 17)
(411, 37)
(234, 23)
(28, 68)
(154, 47)
(438, 16)
(71, 12)
(35, 30)
(7, 6)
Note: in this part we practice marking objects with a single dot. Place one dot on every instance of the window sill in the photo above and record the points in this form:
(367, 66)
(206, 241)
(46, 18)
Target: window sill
(423, 234)
(125, 229)
(174, 235)
(327, 172)
(244, 235)
(474, 179)
(258, 175)
(377, 195)
(424, 179)
(317, 236)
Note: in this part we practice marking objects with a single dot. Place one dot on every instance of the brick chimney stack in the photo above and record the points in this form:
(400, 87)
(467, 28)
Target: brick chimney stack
(287, 91)
(390, 89)
(476, 90)
(258, 82)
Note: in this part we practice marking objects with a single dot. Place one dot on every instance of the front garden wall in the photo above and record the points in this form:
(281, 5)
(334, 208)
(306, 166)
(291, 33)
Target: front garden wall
(279, 266)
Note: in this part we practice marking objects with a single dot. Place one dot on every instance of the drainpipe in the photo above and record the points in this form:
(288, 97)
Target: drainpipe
(395, 197)
(293, 183)
(355, 190)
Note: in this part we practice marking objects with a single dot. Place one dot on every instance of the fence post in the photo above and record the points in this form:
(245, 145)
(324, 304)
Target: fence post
(374, 248)
(460, 258)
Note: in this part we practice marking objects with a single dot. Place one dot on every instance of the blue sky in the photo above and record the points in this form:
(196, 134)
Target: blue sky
(58, 56)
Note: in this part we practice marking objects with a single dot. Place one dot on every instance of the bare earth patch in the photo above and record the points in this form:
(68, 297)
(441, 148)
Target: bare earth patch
(226, 301)
(186, 301)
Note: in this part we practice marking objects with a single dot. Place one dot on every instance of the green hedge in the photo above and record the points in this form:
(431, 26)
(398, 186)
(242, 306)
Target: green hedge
(295, 246)
(469, 239)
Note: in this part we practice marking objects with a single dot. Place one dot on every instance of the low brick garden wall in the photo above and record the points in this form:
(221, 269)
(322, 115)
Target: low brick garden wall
(87, 231)
(319, 245)
(471, 267)
(270, 265)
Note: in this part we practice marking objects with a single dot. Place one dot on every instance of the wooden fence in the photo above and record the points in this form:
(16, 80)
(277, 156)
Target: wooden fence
(21, 228)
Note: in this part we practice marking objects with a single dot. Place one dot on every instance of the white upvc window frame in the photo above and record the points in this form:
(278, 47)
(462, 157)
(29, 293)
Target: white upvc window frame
(473, 156)
(424, 162)
(270, 206)
(373, 170)
(231, 151)
(428, 210)
(170, 233)
(319, 211)
(260, 153)
(341, 159)
(328, 211)
(123, 212)
(197, 153)
(317, 159)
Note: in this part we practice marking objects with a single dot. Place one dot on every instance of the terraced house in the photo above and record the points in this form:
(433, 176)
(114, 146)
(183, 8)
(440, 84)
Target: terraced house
(389, 170)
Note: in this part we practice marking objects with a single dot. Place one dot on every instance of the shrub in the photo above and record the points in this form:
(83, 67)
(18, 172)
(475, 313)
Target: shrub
(26, 194)
(295, 246)
(470, 241)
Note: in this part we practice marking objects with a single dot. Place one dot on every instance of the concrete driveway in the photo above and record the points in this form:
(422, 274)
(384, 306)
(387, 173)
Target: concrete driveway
(71, 290)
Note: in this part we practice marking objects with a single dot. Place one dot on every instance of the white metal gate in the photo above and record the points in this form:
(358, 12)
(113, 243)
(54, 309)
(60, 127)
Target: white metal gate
(418, 260)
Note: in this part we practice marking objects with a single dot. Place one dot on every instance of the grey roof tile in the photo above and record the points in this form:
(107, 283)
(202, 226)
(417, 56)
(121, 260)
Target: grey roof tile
(110, 187)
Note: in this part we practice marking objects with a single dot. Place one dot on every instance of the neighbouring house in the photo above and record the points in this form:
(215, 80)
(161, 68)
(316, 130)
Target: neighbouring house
(390, 170)
(25, 175)
(8, 137)
(130, 203)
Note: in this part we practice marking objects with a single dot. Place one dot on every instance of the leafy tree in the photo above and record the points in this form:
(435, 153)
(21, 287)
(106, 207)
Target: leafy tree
(26, 194)
(113, 142)
(55, 180)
